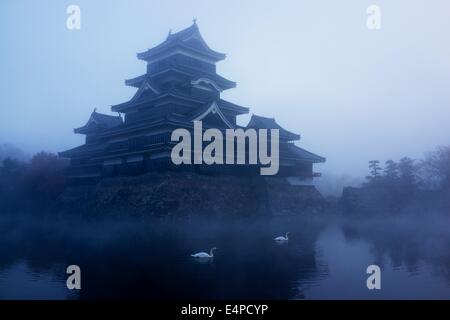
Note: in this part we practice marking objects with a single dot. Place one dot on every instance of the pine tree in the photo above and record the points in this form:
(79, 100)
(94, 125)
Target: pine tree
(374, 166)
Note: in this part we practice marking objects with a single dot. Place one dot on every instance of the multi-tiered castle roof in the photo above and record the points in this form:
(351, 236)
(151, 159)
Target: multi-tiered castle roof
(180, 85)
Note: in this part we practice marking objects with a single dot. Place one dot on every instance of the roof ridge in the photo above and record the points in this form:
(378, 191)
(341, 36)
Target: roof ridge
(181, 36)
(193, 26)
(269, 118)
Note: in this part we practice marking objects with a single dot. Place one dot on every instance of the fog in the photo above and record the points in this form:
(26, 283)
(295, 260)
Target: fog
(353, 94)
(326, 257)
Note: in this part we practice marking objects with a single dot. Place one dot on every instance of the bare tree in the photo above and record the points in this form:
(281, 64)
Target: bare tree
(435, 168)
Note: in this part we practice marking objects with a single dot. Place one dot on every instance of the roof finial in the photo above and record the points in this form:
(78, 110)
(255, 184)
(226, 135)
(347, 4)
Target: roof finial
(170, 32)
(194, 21)
(95, 110)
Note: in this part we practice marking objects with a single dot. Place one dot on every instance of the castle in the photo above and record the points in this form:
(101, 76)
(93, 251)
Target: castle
(180, 86)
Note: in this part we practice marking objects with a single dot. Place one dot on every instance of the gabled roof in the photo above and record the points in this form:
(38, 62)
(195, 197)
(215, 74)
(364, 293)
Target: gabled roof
(99, 121)
(148, 88)
(190, 39)
(211, 109)
(206, 84)
(302, 154)
(258, 122)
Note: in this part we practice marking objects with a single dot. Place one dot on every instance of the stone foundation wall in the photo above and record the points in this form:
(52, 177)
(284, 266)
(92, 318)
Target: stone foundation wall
(184, 194)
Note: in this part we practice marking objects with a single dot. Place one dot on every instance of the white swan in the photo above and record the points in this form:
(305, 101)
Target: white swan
(281, 238)
(204, 254)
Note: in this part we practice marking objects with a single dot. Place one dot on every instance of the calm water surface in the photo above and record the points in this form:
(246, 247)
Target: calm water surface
(325, 258)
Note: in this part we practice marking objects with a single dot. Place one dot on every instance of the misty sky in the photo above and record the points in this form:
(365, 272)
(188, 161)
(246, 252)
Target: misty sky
(353, 94)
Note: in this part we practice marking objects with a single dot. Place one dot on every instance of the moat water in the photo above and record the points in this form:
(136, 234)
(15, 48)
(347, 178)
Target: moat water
(325, 258)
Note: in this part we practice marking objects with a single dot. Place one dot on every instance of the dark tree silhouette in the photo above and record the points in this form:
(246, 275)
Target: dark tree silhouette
(391, 170)
(407, 172)
(43, 179)
(374, 166)
(9, 166)
(435, 169)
